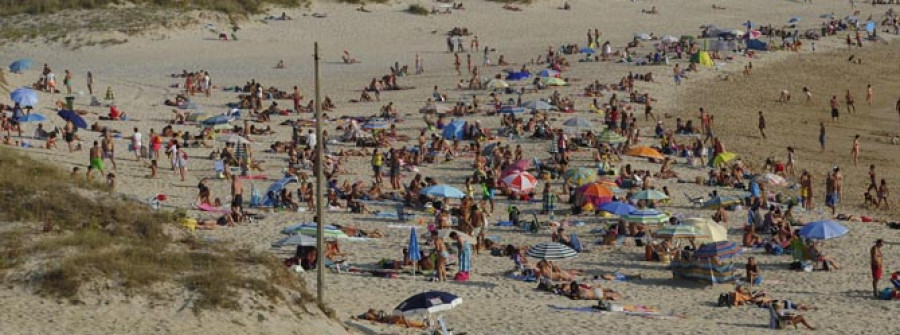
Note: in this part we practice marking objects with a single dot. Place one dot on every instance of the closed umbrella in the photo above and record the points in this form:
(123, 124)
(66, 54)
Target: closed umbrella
(34, 117)
(20, 65)
(723, 158)
(413, 249)
(649, 195)
(428, 303)
(646, 152)
(443, 191)
(611, 137)
(76, 119)
(580, 176)
(578, 122)
(722, 250)
(24, 96)
(551, 251)
(680, 231)
(712, 231)
(721, 201)
(536, 104)
(617, 208)
(551, 81)
(646, 216)
(454, 130)
(823, 230)
(520, 182)
(496, 84)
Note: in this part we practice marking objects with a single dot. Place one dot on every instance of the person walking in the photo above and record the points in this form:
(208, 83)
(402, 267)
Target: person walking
(136, 144)
(762, 125)
(90, 83)
(876, 260)
(855, 150)
(822, 135)
(377, 164)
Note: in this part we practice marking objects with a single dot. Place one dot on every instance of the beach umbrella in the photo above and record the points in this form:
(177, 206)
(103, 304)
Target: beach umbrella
(511, 110)
(721, 249)
(33, 117)
(520, 182)
(551, 251)
(578, 122)
(496, 84)
(669, 39)
(413, 249)
(711, 231)
(24, 96)
(375, 125)
(445, 234)
(721, 201)
(454, 130)
(642, 36)
(724, 157)
(646, 152)
(518, 75)
(20, 65)
(551, 81)
(646, 216)
(435, 108)
(548, 73)
(794, 19)
(443, 191)
(428, 303)
(823, 230)
(233, 138)
(771, 179)
(216, 120)
(611, 137)
(649, 195)
(595, 193)
(488, 149)
(70, 115)
(587, 50)
(617, 208)
(296, 240)
(680, 231)
(536, 104)
(580, 176)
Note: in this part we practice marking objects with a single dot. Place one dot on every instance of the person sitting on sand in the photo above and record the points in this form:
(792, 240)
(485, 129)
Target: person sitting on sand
(178, 117)
(115, 114)
(509, 6)
(102, 129)
(347, 59)
(280, 64)
(382, 317)
(790, 317)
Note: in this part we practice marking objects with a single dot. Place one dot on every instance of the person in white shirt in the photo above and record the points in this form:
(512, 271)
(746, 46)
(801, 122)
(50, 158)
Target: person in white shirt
(136, 144)
(207, 84)
(311, 140)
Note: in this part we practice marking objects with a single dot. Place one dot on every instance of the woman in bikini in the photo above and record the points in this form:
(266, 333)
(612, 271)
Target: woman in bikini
(442, 255)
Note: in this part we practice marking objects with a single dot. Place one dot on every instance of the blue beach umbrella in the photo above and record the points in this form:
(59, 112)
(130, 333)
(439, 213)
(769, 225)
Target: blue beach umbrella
(443, 191)
(70, 115)
(536, 104)
(32, 118)
(823, 230)
(24, 96)
(428, 303)
(617, 208)
(20, 65)
(578, 122)
(454, 130)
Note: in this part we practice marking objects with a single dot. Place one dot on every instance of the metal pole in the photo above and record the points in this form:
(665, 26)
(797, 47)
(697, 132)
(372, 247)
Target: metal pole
(320, 181)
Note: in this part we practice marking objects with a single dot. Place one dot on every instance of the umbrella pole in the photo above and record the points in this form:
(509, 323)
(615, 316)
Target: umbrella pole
(320, 181)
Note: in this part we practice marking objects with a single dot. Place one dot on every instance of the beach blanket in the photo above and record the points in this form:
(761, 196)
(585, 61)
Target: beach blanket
(212, 209)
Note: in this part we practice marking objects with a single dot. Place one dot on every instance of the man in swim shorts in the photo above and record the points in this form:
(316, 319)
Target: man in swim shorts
(877, 264)
(96, 158)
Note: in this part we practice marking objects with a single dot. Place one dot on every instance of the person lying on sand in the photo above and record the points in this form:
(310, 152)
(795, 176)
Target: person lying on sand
(715, 6)
(651, 11)
(577, 291)
(382, 317)
(102, 129)
(511, 7)
(553, 272)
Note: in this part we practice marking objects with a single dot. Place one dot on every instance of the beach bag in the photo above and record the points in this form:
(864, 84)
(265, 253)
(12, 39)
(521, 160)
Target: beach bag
(461, 276)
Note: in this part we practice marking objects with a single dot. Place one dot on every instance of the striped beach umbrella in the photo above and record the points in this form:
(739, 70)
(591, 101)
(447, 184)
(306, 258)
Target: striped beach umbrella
(428, 303)
(722, 250)
(646, 216)
(551, 251)
(580, 176)
(611, 137)
(680, 231)
(649, 195)
(520, 182)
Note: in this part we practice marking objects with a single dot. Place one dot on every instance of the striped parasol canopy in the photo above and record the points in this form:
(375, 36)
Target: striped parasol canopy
(722, 250)
(520, 182)
(611, 137)
(580, 176)
(680, 231)
(649, 195)
(646, 216)
(551, 251)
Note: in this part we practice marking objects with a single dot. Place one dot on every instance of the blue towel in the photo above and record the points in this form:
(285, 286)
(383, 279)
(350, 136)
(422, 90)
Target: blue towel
(504, 223)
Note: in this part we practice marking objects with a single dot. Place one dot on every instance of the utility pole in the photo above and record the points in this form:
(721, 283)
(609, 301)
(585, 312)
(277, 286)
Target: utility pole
(320, 181)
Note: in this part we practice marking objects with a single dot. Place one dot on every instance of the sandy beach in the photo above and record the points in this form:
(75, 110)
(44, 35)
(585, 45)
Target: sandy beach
(139, 73)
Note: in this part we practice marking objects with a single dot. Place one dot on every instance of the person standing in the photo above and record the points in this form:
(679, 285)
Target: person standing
(237, 193)
(822, 135)
(831, 195)
(395, 169)
(789, 167)
(136, 144)
(849, 100)
(806, 190)
(648, 109)
(67, 80)
(419, 67)
(487, 57)
(90, 83)
(179, 160)
(206, 84)
(96, 159)
(377, 164)
(296, 96)
(870, 95)
(762, 125)
(855, 150)
(753, 276)
(876, 260)
(456, 63)
(835, 111)
(464, 261)
(440, 249)
(108, 147)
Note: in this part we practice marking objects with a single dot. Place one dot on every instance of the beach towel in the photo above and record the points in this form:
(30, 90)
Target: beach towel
(212, 209)
(504, 224)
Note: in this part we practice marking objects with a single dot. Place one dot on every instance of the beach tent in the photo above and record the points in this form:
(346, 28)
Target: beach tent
(454, 130)
(702, 58)
(757, 45)
(276, 189)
